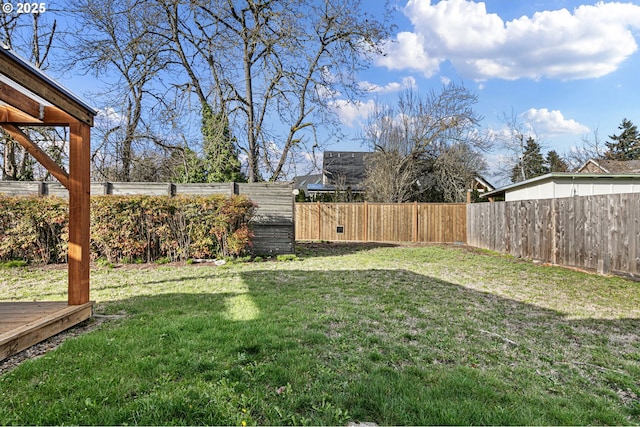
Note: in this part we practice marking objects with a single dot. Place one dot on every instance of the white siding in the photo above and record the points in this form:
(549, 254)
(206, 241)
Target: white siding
(558, 187)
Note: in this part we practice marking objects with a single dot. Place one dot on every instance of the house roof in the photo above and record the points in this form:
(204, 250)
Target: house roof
(345, 167)
(612, 166)
(486, 184)
(303, 181)
(562, 175)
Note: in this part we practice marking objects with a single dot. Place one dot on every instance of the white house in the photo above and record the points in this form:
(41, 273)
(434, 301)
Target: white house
(566, 184)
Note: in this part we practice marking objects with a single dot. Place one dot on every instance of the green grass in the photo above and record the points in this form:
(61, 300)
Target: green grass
(392, 335)
(13, 264)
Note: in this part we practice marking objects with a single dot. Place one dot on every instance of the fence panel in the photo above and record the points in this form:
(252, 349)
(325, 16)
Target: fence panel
(20, 188)
(390, 222)
(381, 222)
(593, 232)
(341, 221)
(306, 215)
(442, 223)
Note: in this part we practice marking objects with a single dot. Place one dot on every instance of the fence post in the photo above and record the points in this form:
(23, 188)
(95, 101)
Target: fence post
(554, 232)
(415, 221)
(319, 220)
(366, 222)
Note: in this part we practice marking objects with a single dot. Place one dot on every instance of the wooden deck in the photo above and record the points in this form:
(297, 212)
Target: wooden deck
(23, 324)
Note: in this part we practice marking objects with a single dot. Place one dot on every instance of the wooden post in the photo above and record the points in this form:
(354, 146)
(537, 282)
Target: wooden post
(366, 222)
(79, 215)
(415, 222)
(319, 220)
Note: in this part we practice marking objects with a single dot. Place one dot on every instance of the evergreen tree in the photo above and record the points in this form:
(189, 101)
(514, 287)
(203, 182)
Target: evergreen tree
(555, 163)
(189, 167)
(220, 153)
(531, 164)
(625, 146)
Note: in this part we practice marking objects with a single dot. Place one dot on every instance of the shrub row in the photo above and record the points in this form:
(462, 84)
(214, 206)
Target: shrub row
(128, 228)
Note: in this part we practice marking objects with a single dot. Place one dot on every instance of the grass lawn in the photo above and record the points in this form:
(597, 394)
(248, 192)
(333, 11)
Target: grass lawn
(391, 335)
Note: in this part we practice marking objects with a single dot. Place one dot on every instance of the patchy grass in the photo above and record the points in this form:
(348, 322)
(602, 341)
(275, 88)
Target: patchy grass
(13, 264)
(392, 335)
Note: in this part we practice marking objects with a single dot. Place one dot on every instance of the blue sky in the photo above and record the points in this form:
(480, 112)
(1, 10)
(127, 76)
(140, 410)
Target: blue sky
(566, 68)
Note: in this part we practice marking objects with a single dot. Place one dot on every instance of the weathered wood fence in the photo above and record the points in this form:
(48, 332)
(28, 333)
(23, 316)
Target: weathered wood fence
(601, 233)
(273, 224)
(380, 222)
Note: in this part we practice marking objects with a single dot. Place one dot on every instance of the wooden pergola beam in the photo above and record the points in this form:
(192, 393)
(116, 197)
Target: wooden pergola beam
(9, 114)
(37, 153)
(40, 85)
(19, 100)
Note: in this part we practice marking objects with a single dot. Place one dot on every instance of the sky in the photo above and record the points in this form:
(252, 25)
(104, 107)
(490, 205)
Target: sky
(565, 68)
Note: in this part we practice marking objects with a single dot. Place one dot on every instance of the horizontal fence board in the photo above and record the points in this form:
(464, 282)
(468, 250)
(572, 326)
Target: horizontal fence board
(20, 188)
(273, 239)
(224, 188)
(599, 233)
(140, 189)
(381, 222)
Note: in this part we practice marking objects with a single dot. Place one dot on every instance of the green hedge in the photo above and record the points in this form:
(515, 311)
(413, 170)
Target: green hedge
(128, 228)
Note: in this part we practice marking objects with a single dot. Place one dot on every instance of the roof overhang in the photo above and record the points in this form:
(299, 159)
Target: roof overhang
(45, 102)
(559, 176)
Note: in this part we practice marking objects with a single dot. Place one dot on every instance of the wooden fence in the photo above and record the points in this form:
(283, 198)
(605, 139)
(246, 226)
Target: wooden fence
(273, 224)
(379, 222)
(599, 233)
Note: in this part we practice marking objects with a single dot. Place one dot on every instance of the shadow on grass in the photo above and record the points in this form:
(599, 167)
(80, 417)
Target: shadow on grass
(328, 347)
(322, 249)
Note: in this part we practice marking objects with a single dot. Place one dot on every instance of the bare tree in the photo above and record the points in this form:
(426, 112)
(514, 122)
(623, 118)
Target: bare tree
(270, 66)
(118, 40)
(589, 148)
(513, 140)
(417, 142)
(454, 171)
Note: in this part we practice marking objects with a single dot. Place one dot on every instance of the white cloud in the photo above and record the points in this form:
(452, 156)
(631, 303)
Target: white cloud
(109, 116)
(351, 112)
(407, 82)
(588, 42)
(552, 123)
(409, 53)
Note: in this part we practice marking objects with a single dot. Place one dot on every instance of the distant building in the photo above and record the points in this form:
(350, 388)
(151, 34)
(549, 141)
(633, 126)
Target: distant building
(564, 184)
(341, 171)
(480, 185)
(344, 169)
(610, 166)
(303, 182)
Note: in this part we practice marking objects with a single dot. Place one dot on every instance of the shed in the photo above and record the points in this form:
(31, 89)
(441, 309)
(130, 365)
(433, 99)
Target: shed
(30, 98)
(564, 184)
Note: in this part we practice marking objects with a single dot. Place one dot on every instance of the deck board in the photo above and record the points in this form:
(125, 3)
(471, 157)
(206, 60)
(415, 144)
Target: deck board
(23, 324)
